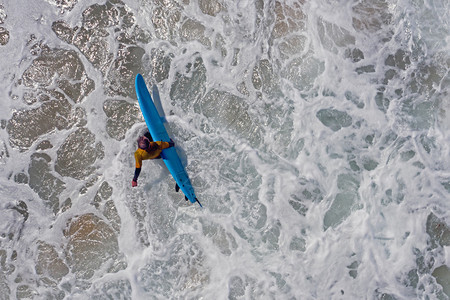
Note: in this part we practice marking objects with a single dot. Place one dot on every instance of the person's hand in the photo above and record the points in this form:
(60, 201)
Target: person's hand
(134, 183)
(171, 143)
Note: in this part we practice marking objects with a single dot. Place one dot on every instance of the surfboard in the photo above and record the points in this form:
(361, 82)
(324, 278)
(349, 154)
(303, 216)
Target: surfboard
(159, 133)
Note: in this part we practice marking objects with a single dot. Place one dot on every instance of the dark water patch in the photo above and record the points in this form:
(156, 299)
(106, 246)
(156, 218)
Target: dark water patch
(354, 54)
(297, 244)
(333, 36)
(442, 275)
(298, 206)
(160, 62)
(280, 282)
(438, 230)
(166, 19)
(236, 288)
(353, 269)
(428, 143)
(44, 145)
(4, 33)
(121, 115)
(427, 265)
(4, 153)
(365, 69)
(340, 209)
(22, 209)
(103, 202)
(64, 5)
(54, 67)
(210, 7)
(308, 192)
(49, 265)
(347, 182)
(388, 75)
(428, 75)
(266, 79)
(411, 82)
(400, 59)
(383, 296)
(411, 279)
(271, 236)
(288, 19)
(371, 15)
(104, 193)
(21, 178)
(407, 155)
(381, 100)
(78, 153)
(418, 114)
(446, 185)
(189, 87)
(33, 96)
(396, 195)
(4, 36)
(193, 30)
(3, 14)
(6, 259)
(43, 182)
(334, 119)
(354, 165)
(100, 22)
(25, 291)
(354, 99)
(66, 205)
(302, 72)
(128, 62)
(369, 164)
(231, 112)
(220, 45)
(292, 45)
(344, 202)
(91, 245)
(63, 68)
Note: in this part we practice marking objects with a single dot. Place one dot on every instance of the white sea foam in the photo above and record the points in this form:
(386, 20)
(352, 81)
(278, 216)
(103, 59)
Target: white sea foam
(316, 136)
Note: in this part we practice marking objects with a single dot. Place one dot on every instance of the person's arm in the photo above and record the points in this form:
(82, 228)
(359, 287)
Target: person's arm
(165, 145)
(137, 171)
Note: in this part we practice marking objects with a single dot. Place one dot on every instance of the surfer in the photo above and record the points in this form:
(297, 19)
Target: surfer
(147, 149)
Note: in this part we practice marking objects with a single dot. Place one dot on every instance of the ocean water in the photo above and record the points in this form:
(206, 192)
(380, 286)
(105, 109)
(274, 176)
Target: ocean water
(316, 135)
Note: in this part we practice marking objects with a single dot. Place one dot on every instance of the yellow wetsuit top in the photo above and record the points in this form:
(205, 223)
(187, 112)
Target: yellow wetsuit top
(142, 154)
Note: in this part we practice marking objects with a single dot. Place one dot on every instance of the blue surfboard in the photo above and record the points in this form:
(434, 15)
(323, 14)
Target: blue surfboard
(159, 133)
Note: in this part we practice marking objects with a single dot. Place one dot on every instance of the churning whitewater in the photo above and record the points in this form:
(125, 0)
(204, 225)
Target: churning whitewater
(316, 135)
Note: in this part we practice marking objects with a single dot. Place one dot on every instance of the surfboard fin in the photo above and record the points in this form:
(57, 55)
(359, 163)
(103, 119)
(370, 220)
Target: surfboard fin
(199, 203)
(186, 198)
(177, 188)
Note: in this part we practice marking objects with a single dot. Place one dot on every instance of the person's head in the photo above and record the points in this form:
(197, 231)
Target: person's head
(143, 142)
